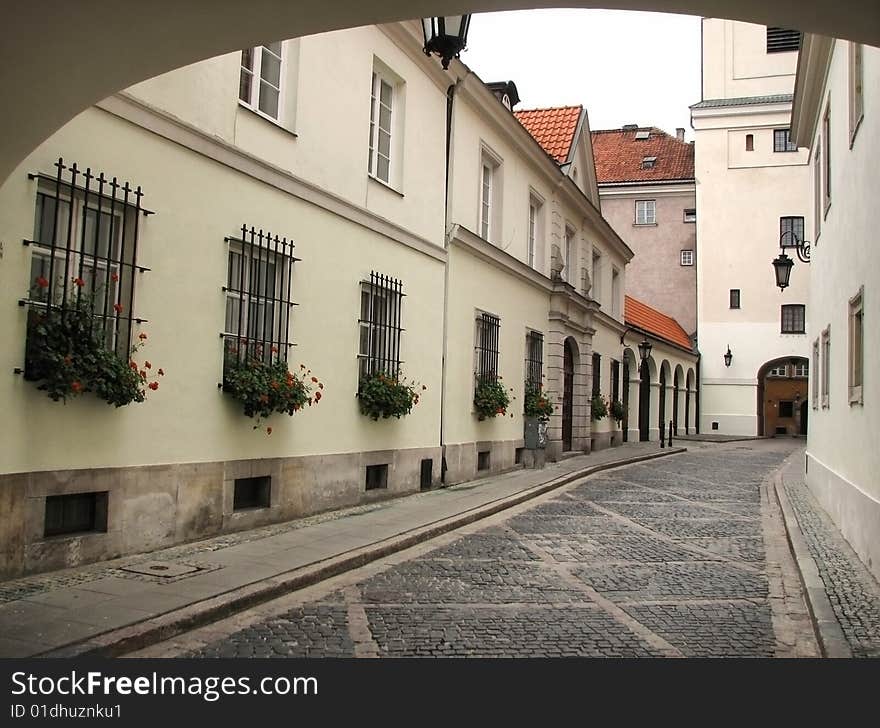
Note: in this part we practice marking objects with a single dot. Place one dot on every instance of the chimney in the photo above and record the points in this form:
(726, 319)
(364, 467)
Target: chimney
(630, 127)
(679, 134)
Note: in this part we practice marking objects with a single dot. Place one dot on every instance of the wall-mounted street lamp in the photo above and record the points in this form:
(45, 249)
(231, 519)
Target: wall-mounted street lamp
(782, 264)
(728, 357)
(446, 36)
(645, 349)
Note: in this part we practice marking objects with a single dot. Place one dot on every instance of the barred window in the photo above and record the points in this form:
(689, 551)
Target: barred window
(534, 360)
(793, 318)
(380, 326)
(780, 40)
(258, 297)
(84, 249)
(488, 331)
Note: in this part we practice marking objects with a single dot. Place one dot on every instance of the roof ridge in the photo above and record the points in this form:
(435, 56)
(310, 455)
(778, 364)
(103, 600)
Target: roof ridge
(550, 108)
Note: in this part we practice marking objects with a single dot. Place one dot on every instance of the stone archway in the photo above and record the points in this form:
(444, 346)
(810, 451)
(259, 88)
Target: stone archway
(782, 392)
(678, 380)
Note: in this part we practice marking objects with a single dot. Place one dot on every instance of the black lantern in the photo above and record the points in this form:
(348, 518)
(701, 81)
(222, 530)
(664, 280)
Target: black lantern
(645, 349)
(728, 357)
(446, 36)
(782, 265)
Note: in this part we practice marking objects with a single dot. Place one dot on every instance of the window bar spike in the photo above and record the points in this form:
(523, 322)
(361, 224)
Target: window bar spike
(382, 301)
(386, 326)
(114, 188)
(275, 306)
(126, 192)
(108, 315)
(73, 175)
(288, 265)
(398, 300)
(371, 324)
(137, 217)
(50, 293)
(241, 257)
(257, 292)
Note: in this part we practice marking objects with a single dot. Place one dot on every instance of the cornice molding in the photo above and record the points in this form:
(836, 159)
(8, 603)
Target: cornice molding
(814, 63)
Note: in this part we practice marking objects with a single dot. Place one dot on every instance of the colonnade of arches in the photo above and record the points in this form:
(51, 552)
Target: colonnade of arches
(655, 396)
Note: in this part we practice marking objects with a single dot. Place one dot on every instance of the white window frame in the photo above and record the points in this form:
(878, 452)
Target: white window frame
(379, 79)
(826, 158)
(825, 352)
(257, 80)
(233, 297)
(570, 253)
(686, 257)
(780, 370)
(534, 231)
(856, 348)
(801, 370)
(646, 212)
(856, 90)
(817, 191)
(489, 196)
(596, 276)
(814, 377)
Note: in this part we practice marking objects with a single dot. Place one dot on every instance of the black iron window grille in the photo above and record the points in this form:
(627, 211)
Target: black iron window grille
(85, 247)
(534, 360)
(783, 39)
(258, 297)
(380, 329)
(794, 318)
(597, 374)
(486, 350)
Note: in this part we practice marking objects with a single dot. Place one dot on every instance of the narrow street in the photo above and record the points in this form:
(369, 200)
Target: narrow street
(681, 557)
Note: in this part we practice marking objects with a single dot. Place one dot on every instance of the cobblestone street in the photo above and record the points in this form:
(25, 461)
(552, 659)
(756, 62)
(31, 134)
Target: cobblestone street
(684, 556)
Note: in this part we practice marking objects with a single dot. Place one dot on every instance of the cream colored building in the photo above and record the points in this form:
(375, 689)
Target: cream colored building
(752, 186)
(494, 261)
(837, 116)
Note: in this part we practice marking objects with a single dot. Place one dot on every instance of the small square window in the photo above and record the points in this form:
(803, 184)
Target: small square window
(649, 162)
(687, 257)
(782, 141)
(484, 459)
(646, 212)
(377, 477)
(75, 513)
(252, 493)
(734, 298)
(690, 214)
(786, 409)
(794, 318)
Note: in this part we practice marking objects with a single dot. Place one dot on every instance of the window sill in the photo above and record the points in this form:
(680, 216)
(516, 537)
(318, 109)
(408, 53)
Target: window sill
(855, 397)
(385, 185)
(644, 224)
(793, 333)
(266, 117)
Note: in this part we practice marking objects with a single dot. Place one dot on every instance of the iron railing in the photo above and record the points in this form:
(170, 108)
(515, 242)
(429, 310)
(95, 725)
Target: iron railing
(487, 347)
(380, 326)
(534, 360)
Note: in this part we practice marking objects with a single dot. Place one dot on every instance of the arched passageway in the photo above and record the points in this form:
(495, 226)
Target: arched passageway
(570, 361)
(782, 397)
(140, 40)
(645, 400)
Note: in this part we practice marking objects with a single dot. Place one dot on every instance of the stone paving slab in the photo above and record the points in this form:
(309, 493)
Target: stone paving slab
(242, 562)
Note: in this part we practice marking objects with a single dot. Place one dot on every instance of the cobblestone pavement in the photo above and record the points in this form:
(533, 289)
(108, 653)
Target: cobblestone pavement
(683, 556)
(852, 590)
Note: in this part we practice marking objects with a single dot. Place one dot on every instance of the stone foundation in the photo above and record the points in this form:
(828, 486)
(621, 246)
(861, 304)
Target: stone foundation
(154, 507)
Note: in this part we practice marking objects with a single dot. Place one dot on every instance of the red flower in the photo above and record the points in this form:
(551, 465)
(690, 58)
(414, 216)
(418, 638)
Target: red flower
(147, 365)
(317, 396)
(264, 398)
(142, 336)
(499, 411)
(114, 277)
(416, 399)
(79, 282)
(161, 372)
(315, 380)
(143, 374)
(42, 282)
(320, 385)
(117, 307)
(274, 384)
(268, 430)
(133, 365)
(153, 385)
(76, 387)
(274, 349)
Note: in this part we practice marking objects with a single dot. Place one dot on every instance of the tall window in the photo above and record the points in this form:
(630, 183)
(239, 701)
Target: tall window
(750, 142)
(534, 229)
(793, 318)
(615, 292)
(826, 156)
(534, 360)
(570, 256)
(734, 298)
(826, 364)
(782, 141)
(597, 374)
(780, 40)
(686, 257)
(596, 276)
(259, 84)
(814, 383)
(615, 380)
(380, 325)
(817, 191)
(486, 349)
(258, 297)
(646, 212)
(793, 230)
(856, 347)
(84, 253)
(382, 104)
(856, 89)
(490, 189)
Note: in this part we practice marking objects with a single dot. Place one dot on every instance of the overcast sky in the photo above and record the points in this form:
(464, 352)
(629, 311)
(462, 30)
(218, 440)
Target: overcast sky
(625, 67)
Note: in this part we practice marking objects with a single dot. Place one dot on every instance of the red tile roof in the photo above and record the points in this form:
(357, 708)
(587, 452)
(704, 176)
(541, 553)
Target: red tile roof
(553, 129)
(619, 156)
(658, 324)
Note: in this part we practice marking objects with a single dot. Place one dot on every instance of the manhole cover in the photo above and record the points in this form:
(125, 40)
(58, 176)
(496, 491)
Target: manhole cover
(167, 569)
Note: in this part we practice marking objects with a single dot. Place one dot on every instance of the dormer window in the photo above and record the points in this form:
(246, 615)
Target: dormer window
(649, 162)
(643, 135)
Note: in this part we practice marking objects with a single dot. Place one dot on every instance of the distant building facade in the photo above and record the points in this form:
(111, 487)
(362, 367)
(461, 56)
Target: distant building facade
(646, 187)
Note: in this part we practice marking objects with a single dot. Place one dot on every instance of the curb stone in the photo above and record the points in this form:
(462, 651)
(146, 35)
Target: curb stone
(165, 626)
(829, 634)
